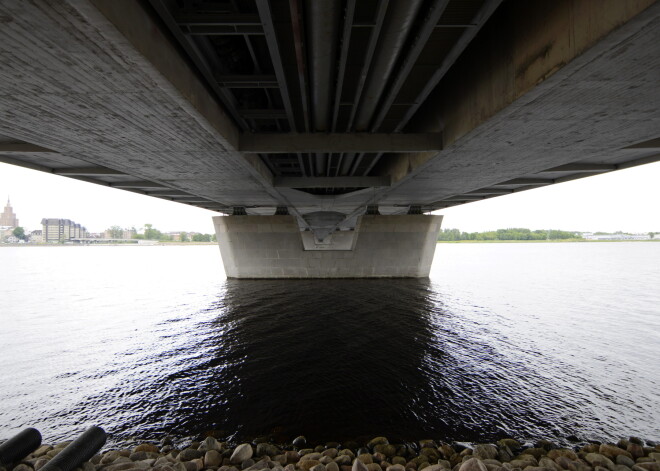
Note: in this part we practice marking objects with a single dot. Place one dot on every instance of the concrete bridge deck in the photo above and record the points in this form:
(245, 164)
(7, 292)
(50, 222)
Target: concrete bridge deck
(329, 110)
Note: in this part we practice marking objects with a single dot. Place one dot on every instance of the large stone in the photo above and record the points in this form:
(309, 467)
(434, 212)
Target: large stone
(318, 467)
(612, 451)
(635, 450)
(311, 456)
(110, 457)
(299, 441)
(343, 460)
(395, 467)
(147, 447)
(332, 466)
(510, 442)
(189, 454)
(433, 467)
(535, 452)
(212, 458)
(377, 441)
(291, 456)
(307, 464)
(358, 465)
(126, 466)
(389, 450)
(241, 453)
(374, 467)
(570, 454)
(473, 464)
(41, 451)
(485, 452)
(546, 462)
(650, 466)
(366, 458)
(596, 459)
(210, 443)
(625, 461)
(266, 449)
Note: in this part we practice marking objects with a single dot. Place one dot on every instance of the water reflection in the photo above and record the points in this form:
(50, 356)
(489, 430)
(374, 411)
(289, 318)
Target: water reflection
(329, 360)
(468, 356)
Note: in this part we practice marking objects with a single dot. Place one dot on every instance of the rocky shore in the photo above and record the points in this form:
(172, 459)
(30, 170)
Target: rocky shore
(378, 454)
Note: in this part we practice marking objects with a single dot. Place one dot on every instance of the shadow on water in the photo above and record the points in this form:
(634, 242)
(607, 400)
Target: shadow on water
(341, 360)
(328, 360)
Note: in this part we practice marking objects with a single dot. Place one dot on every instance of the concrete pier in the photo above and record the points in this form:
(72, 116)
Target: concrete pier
(400, 246)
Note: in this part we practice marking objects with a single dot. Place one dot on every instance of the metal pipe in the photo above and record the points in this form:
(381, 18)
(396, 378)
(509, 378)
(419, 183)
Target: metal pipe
(323, 18)
(80, 450)
(19, 446)
(398, 24)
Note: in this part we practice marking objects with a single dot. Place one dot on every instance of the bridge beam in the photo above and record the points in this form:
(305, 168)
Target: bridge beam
(339, 142)
(331, 182)
(399, 246)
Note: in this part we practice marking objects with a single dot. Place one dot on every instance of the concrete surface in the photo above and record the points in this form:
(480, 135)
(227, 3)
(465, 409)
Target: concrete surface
(399, 246)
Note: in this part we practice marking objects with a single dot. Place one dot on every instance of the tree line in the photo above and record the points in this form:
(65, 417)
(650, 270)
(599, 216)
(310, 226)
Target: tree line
(517, 233)
(151, 233)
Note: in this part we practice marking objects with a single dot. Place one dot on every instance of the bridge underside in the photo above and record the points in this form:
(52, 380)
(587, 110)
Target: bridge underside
(325, 111)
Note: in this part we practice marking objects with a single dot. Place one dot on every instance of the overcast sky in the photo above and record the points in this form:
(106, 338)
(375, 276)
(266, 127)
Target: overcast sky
(627, 200)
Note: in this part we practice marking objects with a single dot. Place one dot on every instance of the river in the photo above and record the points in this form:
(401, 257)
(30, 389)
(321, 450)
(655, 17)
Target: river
(545, 340)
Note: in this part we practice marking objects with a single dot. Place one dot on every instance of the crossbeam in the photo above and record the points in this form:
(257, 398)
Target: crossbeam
(262, 113)
(138, 185)
(586, 167)
(72, 171)
(526, 182)
(339, 142)
(331, 182)
(22, 147)
(247, 81)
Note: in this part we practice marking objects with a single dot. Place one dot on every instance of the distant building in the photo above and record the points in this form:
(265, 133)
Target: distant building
(36, 237)
(175, 236)
(8, 218)
(61, 230)
(615, 236)
(125, 234)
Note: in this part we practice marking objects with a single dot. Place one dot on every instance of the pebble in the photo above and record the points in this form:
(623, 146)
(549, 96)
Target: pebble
(241, 453)
(378, 455)
(366, 458)
(473, 464)
(146, 447)
(190, 454)
(212, 458)
(308, 464)
(484, 452)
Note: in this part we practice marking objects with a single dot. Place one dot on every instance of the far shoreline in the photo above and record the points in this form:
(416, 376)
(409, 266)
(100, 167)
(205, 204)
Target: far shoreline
(124, 244)
(537, 241)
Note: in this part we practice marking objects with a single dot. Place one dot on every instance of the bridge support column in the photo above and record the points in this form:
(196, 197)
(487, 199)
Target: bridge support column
(379, 247)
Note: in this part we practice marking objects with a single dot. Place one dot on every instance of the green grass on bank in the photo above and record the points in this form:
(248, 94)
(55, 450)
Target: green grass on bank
(535, 241)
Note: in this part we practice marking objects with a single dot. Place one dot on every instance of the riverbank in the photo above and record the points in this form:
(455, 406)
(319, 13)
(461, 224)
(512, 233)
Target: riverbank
(124, 244)
(378, 454)
(536, 241)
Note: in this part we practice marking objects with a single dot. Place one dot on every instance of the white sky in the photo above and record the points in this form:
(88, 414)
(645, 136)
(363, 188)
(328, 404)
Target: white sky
(627, 200)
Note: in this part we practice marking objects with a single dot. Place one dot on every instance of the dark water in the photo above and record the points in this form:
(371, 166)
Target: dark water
(523, 340)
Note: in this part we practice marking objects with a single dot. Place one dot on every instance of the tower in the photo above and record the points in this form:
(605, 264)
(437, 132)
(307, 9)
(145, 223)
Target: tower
(8, 218)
